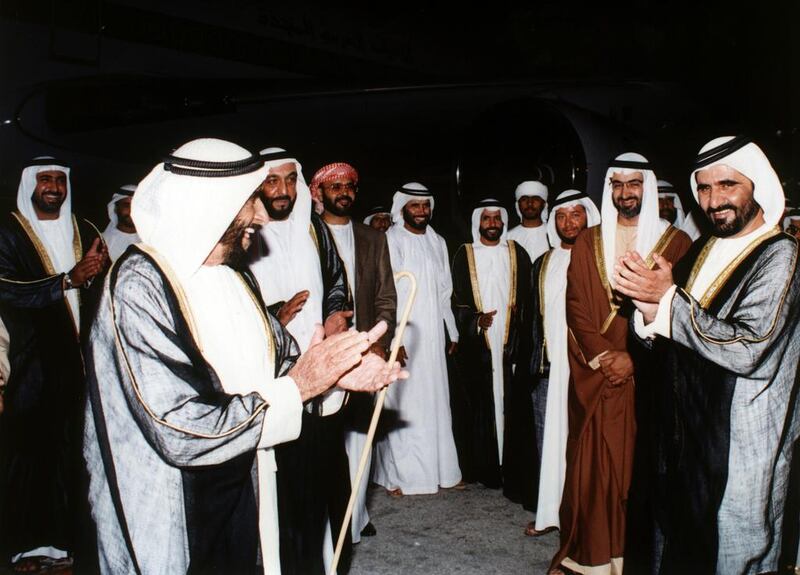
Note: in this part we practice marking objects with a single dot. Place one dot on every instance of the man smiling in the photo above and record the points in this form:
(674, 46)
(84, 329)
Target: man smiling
(725, 323)
(48, 258)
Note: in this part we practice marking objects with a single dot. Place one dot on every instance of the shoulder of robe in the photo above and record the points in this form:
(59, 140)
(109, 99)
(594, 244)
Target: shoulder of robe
(679, 245)
(783, 247)
(137, 267)
(9, 224)
(460, 253)
(522, 255)
(365, 231)
(537, 263)
(585, 239)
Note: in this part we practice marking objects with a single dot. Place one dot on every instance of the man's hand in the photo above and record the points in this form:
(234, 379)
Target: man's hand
(616, 366)
(486, 319)
(292, 307)
(371, 374)
(378, 349)
(92, 264)
(635, 280)
(337, 322)
(327, 360)
(452, 348)
(649, 310)
(402, 356)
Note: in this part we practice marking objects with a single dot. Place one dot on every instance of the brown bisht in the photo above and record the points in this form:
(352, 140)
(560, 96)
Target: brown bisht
(602, 422)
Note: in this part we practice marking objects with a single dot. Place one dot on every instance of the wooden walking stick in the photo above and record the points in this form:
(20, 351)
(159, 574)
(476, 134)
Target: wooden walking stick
(376, 415)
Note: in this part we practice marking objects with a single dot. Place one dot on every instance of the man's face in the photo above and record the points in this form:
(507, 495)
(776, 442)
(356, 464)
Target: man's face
(570, 221)
(626, 193)
(279, 191)
(793, 229)
(666, 208)
(491, 225)
(123, 210)
(381, 222)
(531, 207)
(338, 196)
(50, 191)
(726, 196)
(238, 237)
(417, 214)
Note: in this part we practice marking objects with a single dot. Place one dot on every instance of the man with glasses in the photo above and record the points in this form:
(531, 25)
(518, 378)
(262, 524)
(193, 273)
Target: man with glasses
(368, 270)
(604, 404)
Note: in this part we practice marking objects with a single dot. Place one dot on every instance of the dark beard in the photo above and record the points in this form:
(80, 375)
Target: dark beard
(235, 254)
(45, 207)
(568, 241)
(409, 219)
(742, 217)
(668, 214)
(631, 212)
(279, 214)
(336, 208)
(484, 232)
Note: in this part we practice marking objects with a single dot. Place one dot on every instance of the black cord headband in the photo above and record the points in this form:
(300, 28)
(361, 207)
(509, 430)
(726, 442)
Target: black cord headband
(719, 152)
(207, 169)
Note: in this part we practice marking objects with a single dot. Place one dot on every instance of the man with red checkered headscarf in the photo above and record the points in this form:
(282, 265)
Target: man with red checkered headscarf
(368, 270)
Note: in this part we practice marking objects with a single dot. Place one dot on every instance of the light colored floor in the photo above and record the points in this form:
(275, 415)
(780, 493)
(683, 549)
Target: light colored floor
(475, 531)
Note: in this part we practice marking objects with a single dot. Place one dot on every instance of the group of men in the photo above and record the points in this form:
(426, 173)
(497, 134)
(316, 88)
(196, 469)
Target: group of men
(190, 390)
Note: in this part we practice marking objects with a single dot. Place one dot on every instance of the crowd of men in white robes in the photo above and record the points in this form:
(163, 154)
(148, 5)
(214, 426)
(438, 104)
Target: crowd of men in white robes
(189, 390)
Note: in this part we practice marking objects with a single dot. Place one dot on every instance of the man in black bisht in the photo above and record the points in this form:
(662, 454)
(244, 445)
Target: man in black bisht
(491, 290)
(48, 260)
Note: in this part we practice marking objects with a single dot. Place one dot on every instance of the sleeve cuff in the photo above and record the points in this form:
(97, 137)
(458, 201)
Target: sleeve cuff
(283, 418)
(595, 363)
(332, 401)
(662, 324)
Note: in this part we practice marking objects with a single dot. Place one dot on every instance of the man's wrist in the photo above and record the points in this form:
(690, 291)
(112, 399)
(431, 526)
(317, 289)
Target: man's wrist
(68, 285)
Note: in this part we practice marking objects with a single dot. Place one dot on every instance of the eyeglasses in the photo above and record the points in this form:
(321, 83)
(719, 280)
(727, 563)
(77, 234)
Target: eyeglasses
(633, 185)
(337, 187)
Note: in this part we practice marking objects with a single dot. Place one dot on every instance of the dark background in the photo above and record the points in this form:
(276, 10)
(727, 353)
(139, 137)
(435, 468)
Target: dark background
(468, 101)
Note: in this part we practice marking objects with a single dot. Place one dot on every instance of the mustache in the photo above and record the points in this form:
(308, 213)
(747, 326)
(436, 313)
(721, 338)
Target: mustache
(492, 229)
(343, 200)
(280, 198)
(626, 198)
(721, 209)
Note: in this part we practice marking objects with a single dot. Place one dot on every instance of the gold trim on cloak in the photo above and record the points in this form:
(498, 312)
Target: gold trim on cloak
(47, 263)
(726, 273)
(185, 310)
(476, 292)
(542, 274)
(597, 241)
(717, 285)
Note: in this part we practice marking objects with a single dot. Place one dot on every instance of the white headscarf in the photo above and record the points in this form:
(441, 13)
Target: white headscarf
(793, 214)
(184, 216)
(563, 201)
(376, 211)
(531, 188)
(126, 191)
(291, 262)
(408, 193)
(56, 235)
(650, 225)
(489, 204)
(493, 268)
(116, 240)
(747, 158)
(665, 190)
